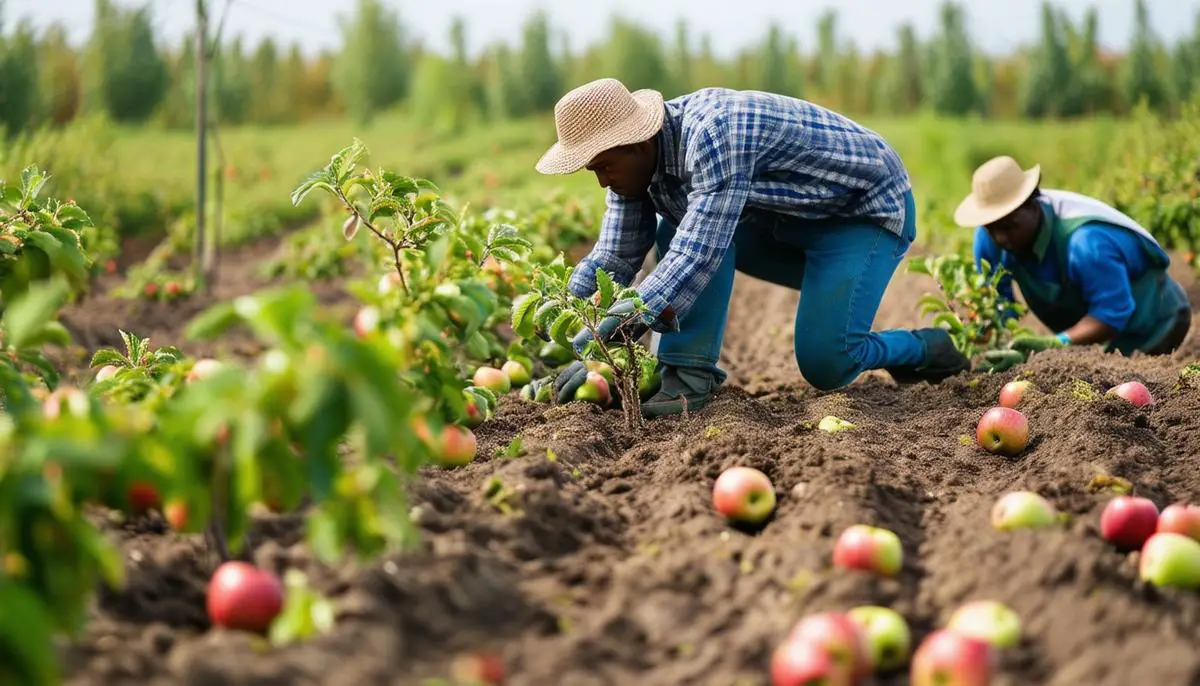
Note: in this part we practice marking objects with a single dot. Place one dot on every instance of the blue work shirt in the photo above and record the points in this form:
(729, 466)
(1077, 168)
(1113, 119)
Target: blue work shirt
(722, 151)
(1103, 259)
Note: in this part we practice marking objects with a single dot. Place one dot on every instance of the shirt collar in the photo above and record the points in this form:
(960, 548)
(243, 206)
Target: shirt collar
(668, 140)
(1042, 242)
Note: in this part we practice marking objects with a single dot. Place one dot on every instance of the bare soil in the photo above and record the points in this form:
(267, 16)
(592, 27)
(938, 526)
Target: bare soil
(611, 566)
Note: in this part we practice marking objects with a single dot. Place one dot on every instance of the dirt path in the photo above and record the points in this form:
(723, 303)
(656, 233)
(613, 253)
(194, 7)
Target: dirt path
(615, 569)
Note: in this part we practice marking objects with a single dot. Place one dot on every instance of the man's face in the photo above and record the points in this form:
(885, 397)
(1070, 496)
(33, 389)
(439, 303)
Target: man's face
(627, 170)
(1017, 232)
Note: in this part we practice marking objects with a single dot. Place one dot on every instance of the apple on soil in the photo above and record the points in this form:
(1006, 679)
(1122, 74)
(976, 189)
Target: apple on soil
(744, 494)
(946, 658)
(1133, 391)
(987, 620)
(242, 596)
(1171, 560)
(518, 374)
(492, 379)
(1180, 518)
(1014, 391)
(595, 389)
(143, 496)
(478, 669)
(453, 447)
(888, 637)
(1003, 431)
(869, 549)
(1128, 521)
(1022, 510)
(801, 663)
(176, 514)
(841, 638)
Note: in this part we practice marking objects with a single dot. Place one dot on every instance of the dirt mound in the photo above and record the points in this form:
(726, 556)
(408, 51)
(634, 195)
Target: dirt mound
(595, 557)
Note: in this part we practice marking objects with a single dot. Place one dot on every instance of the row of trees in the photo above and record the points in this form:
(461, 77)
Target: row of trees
(124, 72)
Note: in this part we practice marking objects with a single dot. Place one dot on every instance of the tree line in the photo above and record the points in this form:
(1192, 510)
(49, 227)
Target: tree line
(124, 72)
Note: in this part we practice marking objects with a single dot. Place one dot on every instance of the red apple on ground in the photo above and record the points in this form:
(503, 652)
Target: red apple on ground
(517, 373)
(1022, 510)
(1128, 521)
(1180, 518)
(1171, 560)
(946, 658)
(1133, 391)
(458, 445)
(869, 549)
(492, 379)
(150, 290)
(143, 496)
(476, 413)
(841, 638)
(479, 668)
(801, 663)
(744, 494)
(1003, 431)
(176, 514)
(888, 637)
(1013, 391)
(595, 389)
(987, 620)
(242, 596)
(106, 372)
(173, 288)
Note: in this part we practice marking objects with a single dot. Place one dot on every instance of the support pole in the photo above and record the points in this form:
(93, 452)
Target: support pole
(198, 258)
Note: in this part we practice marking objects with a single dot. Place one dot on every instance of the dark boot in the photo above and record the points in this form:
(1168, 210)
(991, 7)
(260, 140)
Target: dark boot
(679, 384)
(942, 359)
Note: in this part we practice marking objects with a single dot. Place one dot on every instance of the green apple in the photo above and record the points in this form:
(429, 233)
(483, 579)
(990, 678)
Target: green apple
(1022, 510)
(595, 389)
(518, 374)
(492, 379)
(889, 639)
(1171, 560)
(987, 620)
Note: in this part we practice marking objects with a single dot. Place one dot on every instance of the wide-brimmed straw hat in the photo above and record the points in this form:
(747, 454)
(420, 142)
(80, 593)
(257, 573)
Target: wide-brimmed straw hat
(998, 187)
(597, 116)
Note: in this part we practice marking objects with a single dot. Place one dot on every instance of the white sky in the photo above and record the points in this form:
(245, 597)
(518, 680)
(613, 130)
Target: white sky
(995, 25)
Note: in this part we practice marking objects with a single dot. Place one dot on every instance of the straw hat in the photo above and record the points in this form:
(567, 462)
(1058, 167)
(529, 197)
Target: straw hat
(998, 187)
(597, 116)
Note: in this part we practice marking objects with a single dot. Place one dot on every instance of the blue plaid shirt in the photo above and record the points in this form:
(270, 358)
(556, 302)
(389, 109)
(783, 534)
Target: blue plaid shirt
(721, 151)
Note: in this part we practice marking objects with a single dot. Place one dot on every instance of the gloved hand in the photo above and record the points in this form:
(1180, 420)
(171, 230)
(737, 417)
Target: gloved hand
(569, 380)
(622, 320)
(1032, 344)
(999, 360)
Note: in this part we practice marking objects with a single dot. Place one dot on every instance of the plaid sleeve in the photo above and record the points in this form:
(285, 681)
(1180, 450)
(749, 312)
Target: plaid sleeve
(626, 234)
(722, 152)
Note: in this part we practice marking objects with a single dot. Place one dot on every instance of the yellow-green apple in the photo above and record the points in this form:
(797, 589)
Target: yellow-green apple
(841, 638)
(595, 389)
(1003, 430)
(1171, 560)
(1013, 391)
(1128, 521)
(869, 549)
(946, 658)
(744, 494)
(1180, 518)
(801, 663)
(518, 374)
(1134, 392)
(601, 368)
(987, 620)
(1022, 510)
(458, 445)
(492, 379)
(888, 637)
(242, 596)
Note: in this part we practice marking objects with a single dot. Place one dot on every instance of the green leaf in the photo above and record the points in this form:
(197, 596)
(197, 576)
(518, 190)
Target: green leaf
(212, 322)
(950, 319)
(28, 314)
(26, 637)
(523, 321)
(606, 287)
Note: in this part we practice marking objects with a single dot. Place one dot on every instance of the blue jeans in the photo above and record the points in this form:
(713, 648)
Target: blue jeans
(841, 268)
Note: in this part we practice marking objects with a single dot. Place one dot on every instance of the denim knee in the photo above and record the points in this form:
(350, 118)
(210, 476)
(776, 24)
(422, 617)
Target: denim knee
(827, 367)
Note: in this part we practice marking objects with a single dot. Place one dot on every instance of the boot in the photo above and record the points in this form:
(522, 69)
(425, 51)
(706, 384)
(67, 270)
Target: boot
(694, 384)
(942, 359)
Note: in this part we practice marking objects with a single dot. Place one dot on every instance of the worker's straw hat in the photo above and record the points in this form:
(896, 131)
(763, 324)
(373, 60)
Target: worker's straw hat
(597, 116)
(998, 187)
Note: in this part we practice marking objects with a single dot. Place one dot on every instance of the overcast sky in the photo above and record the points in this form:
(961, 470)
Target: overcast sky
(996, 25)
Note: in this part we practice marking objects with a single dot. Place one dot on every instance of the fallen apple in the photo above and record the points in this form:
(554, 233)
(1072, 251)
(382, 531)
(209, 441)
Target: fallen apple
(841, 638)
(888, 637)
(1013, 391)
(492, 379)
(831, 424)
(1180, 518)
(143, 496)
(1022, 510)
(1134, 392)
(946, 658)
(518, 374)
(478, 669)
(242, 596)
(1003, 431)
(176, 514)
(595, 389)
(1128, 521)
(458, 445)
(744, 494)
(1171, 560)
(987, 620)
(869, 549)
(800, 663)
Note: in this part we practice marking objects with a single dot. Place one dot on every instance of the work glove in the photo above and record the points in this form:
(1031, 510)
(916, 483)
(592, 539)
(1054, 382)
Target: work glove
(995, 361)
(1031, 344)
(622, 320)
(571, 379)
